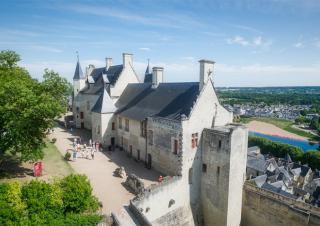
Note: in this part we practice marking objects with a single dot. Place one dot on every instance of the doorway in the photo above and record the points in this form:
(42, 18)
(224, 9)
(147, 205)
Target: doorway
(149, 162)
(112, 141)
(138, 155)
(82, 125)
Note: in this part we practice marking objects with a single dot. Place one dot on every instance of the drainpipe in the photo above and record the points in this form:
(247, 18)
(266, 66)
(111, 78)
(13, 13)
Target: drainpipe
(146, 155)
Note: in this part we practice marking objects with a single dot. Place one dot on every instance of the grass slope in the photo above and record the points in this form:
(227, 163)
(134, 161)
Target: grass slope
(53, 166)
(283, 124)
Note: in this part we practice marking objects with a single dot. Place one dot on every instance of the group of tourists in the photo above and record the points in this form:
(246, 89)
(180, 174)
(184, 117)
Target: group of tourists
(84, 150)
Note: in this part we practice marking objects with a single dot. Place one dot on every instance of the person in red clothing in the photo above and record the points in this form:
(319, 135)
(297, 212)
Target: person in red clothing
(160, 179)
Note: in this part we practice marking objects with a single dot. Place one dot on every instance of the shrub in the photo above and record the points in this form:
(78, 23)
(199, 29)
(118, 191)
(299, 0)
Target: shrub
(43, 200)
(77, 194)
(67, 156)
(277, 149)
(64, 203)
(53, 140)
(12, 207)
(312, 158)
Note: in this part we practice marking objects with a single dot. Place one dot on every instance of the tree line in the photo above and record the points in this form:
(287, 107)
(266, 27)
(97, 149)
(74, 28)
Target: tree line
(68, 202)
(278, 149)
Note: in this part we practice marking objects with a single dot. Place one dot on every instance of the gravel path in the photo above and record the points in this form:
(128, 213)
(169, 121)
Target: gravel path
(106, 187)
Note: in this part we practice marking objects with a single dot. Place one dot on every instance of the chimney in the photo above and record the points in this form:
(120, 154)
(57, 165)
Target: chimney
(127, 59)
(157, 76)
(108, 62)
(89, 69)
(206, 70)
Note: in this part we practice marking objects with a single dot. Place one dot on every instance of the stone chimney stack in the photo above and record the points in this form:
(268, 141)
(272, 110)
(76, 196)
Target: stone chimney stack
(127, 59)
(157, 76)
(206, 70)
(108, 62)
(89, 69)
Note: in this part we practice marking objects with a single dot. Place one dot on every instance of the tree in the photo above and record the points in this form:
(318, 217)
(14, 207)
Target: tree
(57, 86)
(41, 203)
(8, 59)
(77, 194)
(12, 207)
(27, 110)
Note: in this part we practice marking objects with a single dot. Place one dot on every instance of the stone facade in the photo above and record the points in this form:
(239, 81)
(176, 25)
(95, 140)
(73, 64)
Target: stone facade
(262, 207)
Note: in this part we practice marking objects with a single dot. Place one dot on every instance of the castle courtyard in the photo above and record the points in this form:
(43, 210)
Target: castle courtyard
(107, 188)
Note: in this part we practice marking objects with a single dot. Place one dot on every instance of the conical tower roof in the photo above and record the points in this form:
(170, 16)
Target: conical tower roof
(104, 104)
(78, 72)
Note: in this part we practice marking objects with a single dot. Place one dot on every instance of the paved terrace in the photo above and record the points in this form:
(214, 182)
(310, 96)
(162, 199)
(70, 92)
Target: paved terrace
(106, 187)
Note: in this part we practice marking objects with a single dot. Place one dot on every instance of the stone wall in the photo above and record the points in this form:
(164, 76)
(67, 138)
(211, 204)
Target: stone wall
(165, 203)
(133, 138)
(261, 207)
(224, 152)
(165, 131)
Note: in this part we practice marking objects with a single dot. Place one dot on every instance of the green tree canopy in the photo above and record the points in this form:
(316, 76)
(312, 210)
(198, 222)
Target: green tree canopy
(8, 59)
(27, 108)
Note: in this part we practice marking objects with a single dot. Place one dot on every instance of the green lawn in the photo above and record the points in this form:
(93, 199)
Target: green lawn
(53, 166)
(283, 124)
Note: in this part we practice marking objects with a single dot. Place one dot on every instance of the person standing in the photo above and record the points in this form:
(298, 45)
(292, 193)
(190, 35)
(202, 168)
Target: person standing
(92, 154)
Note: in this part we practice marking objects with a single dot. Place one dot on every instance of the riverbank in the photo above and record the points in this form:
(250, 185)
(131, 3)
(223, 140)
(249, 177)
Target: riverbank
(270, 129)
(285, 125)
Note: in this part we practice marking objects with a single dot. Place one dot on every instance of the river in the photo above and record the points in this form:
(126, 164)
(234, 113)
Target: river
(304, 145)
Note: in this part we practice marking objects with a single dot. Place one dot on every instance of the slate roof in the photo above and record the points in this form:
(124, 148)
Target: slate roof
(148, 78)
(168, 100)
(78, 72)
(274, 189)
(112, 73)
(104, 104)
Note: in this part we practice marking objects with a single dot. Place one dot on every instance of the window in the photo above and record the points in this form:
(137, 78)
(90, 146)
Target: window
(190, 176)
(77, 109)
(218, 170)
(220, 144)
(126, 128)
(120, 123)
(143, 125)
(150, 137)
(88, 105)
(98, 129)
(175, 146)
(81, 115)
(113, 126)
(204, 168)
(194, 140)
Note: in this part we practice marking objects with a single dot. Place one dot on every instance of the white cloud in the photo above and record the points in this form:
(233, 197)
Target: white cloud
(317, 43)
(255, 42)
(298, 45)
(188, 58)
(238, 40)
(188, 70)
(144, 48)
(246, 28)
(45, 48)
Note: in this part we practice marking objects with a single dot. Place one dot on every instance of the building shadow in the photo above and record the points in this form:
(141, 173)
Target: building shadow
(121, 159)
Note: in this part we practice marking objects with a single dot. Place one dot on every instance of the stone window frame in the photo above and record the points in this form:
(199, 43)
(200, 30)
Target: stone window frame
(88, 105)
(150, 137)
(113, 126)
(204, 168)
(126, 125)
(143, 128)
(120, 123)
(194, 140)
(175, 145)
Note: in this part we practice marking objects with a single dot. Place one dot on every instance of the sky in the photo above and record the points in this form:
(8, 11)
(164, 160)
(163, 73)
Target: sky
(254, 43)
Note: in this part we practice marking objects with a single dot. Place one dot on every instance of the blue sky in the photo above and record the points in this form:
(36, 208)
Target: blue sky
(254, 43)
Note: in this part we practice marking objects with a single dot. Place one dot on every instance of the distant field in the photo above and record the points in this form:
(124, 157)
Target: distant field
(53, 163)
(281, 123)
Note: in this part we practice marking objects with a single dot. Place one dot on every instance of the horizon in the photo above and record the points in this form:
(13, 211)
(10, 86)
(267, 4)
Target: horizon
(255, 43)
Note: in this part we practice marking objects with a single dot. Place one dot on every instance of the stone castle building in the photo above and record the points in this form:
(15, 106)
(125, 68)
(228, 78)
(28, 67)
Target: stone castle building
(181, 130)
